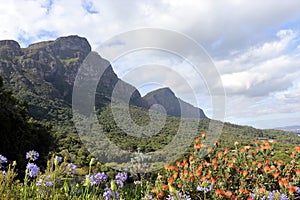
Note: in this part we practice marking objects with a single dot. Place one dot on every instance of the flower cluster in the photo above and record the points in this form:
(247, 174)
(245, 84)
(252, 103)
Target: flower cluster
(110, 194)
(242, 172)
(120, 179)
(32, 155)
(33, 170)
(97, 178)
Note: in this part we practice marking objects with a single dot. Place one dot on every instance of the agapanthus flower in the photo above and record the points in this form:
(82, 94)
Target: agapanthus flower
(138, 182)
(32, 155)
(97, 178)
(4, 173)
(3, 159)
(204, 187)
(109, 194)
(33, 170)
(44, 182)
(120, 178)
(148, 197)
(71, 169)
(179, 195)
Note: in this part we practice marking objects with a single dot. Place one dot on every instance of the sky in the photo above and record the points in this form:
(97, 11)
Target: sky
(254, 45)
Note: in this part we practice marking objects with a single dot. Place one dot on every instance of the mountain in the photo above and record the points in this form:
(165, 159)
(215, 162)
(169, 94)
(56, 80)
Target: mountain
(173, 106)
(295, 129)
(43, 74)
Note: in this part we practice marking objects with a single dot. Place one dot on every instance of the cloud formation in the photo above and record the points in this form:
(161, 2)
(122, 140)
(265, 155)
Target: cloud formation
(255, 45)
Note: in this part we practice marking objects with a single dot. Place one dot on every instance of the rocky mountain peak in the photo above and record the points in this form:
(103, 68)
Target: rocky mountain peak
(65, 47)
(9, 49)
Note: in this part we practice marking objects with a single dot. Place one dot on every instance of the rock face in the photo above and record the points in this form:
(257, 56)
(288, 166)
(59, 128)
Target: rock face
(173, 106)
(44, 73)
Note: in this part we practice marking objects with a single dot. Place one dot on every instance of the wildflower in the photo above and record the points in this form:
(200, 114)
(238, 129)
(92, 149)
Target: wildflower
(71, 169)
(109, 194)
(4, 173)
(138, 182)
(178, 195)
(97, 178)
(57, 160)
(33, 170)
(205, 187)
(32, 155)
(148, 197)
(120, 178)
(44, 182)
(3, 159)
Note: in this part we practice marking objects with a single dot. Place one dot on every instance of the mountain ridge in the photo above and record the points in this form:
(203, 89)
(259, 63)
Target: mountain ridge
(48, 69)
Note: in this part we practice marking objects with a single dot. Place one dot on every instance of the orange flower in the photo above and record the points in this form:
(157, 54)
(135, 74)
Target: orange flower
(160, 194)
(228, 194)
(297, 172)
(226, 151)
(217, 143)
(220, 153)
(292, 189)
(178, 163)
(241, 190)
(197, 140)
(169, 167)
(209, 149)
(197, 147)
(171, 180)
(165, 187)
(297, 149)
(267, 169)
(213, 180)
(214, 160)
(175, 175)
(179, 185)
(198, 173)
(256, 142)
(215, 166)
(283, 182)
(245, 173)
(203, 134)
(259, 165)
(276, 174)
(262, 190)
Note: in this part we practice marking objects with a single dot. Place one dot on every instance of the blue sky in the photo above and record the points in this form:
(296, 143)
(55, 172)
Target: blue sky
(255, 45)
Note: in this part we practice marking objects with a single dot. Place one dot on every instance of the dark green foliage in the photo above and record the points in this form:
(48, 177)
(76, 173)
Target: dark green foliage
(19, 133)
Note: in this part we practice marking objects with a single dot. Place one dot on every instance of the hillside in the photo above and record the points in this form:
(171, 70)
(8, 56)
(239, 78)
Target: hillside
(43, 75)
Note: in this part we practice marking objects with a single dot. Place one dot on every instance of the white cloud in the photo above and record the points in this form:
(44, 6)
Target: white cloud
(258, 63)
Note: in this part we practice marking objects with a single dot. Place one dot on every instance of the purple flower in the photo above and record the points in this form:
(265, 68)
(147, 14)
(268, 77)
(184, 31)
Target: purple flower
(33, 170)
(32, 155)
(3, 159)
(71, 169)
(204, 187)
(97, 178)
(109, 194)
(4, 173)
(148, 197)
(179, 195)
(120, 178)
(120, 183)
(138, 182)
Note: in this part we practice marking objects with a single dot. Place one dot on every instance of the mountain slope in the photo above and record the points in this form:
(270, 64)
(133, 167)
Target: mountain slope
(173, 106)
(43, 74)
